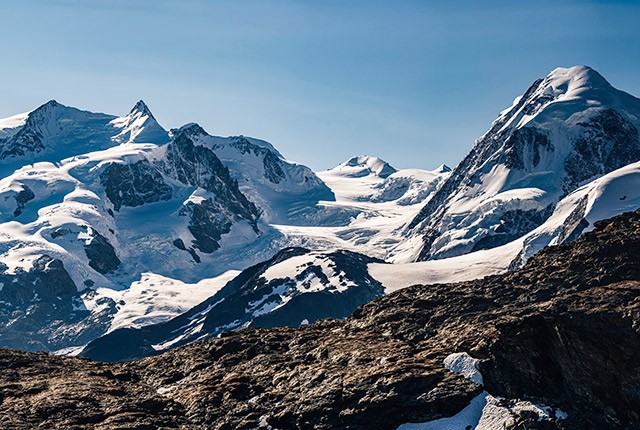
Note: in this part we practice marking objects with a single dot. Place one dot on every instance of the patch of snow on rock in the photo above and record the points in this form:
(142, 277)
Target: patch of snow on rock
(464, 364)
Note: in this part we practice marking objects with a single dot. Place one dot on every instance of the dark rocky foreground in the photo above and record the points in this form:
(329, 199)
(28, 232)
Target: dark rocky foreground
(563, 331)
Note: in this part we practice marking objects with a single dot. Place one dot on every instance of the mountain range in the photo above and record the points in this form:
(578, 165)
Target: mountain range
(120, 239)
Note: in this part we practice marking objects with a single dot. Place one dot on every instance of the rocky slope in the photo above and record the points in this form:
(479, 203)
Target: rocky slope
(566, 130)
(562, 331)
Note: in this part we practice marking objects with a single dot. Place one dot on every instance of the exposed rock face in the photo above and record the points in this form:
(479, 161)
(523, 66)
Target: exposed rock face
(207, 223)
(22, 197)
(199, 166)
(30, 137)
(610, 141)
(38, 307)
(514, 224)
(564, 331)
(54, 127)
(315, 286)
(134, 184)
(102, 257)
(284, 191)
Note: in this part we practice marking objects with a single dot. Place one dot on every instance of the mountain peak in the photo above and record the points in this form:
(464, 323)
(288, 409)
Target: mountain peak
(141, 108)
(51, 103)
(364, 165)
(575, 80)
(190, 129)
(139, 126)
(48, 106)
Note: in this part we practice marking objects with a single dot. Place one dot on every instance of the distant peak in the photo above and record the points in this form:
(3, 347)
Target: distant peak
(443, 168)
(363, 160)
(51, 104)
(191, 129)
(44, 111)
(362, 165)
(141, 108)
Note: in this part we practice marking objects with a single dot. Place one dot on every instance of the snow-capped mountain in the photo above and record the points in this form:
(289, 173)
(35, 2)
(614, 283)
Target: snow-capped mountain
(54, 131)
(103, 201)
(283, 190)
(109, 223)
(363, 165)
(566, 130)
(607, 196)
(295, 287)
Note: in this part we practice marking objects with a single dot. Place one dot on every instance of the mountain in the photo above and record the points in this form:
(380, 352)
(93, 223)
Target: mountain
(282, 189)
(102, 202)
(609, 195)
(566, 130)
(139, 126)
(54, 131)
(554, 345)
(295, 287)
(363, 165)
(140, 232)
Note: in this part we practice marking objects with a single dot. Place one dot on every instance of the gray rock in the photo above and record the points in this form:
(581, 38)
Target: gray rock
(134, 184)
(101, 254)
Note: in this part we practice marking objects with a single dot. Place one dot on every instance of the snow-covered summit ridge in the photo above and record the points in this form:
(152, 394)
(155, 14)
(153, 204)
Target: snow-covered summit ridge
(53, 132)
(364, 165)
(575, 88)
(284, 190)
(566, 130)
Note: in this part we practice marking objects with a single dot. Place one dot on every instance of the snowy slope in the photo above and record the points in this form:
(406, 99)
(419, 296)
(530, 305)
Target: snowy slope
(293, 288)
(566, 130)
(368, 212)
(299, 286)
(610, 195)
(107, 219)
(112, 215)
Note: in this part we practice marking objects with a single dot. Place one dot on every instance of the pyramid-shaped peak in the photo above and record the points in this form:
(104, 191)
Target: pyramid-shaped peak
(51, 104)
(139, 126)
(141, 108)
(45, 112)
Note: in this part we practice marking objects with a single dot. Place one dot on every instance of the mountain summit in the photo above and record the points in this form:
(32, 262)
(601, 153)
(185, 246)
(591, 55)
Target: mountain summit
(139, 126)
(364, 165)
(565, 130)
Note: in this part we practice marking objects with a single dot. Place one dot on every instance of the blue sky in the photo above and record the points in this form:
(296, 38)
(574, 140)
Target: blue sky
(414, 82)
